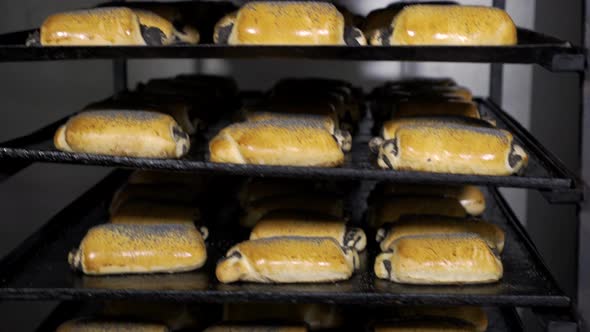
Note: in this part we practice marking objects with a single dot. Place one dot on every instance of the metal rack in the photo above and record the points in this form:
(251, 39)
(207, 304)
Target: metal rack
(36, 269)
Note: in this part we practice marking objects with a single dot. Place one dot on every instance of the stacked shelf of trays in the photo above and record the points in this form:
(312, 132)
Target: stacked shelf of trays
(38, 270)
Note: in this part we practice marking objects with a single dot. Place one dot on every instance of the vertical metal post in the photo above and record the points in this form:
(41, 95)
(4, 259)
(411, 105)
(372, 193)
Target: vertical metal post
(119, 75)
(496, 69)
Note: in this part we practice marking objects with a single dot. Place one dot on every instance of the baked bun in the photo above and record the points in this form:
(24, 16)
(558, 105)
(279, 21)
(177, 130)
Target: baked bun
(391, 209)
(287, 142)
(448, 25)
(118, 249)
(439, 259)
(476, 316)
(319, 203)
(111, 26)
(255, 189)
(287, 23)
(452, 148)
(255, 328)
(101, 325)
(428, 225)
(123, 133)
(145, 212)
(470, 197)
(279, 260)
(175, 194)
(417, 107)
(290, 223)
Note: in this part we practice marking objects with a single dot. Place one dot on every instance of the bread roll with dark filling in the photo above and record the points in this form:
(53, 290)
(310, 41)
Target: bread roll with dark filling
(427, 225)
(123, 133)
(448, 25)
(111, 26)
(277, 142)
(391, 209)
(470, 197)
(439, 259)
(287, 23)
(452, 148)
(289, 223)
(476, 316)
(103, 325)
(255, 328)
(121, 249)
(280, 260)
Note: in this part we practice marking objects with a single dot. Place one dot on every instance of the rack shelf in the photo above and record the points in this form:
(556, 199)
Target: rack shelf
(38, 269)
(544, 172)
(533, 48)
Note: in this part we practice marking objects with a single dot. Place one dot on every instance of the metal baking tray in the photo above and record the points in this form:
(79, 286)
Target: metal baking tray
(533, 48)
(544, 172)
(500, 319)
(38, 269)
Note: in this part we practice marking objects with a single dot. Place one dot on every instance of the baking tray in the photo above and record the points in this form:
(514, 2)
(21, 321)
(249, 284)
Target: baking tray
(544, 172)
(38, 268)
(533, 48)
(500, 319)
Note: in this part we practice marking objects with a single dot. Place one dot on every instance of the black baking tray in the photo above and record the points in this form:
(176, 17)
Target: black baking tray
(533, 48)
(544, 172)
(38, 269)
(500, 319)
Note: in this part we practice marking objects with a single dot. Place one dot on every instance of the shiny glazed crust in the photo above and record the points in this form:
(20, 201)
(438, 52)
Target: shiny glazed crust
(451, 25)
(117, 249)
(97, 325)
(279, 260)
(427, 225)
(289, 223)
(123, 133)
(439, 259)
(288, 142)
(391, 209)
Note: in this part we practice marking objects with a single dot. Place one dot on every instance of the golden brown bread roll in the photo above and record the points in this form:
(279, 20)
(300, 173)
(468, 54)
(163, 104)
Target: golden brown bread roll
(439, 259)
(101, 325)
(470, 197)
(111, 26)
(434, 108)
(255, 328)
(448, 25)
(391, 209)
(286, 142)
(426, 326)
(452, 148)
(287, 23)
(325, 204)
(123, 133)
(290, 223)
(280, 260)
(427, 225)
(476, 316)
(145, 212)
(117, 249)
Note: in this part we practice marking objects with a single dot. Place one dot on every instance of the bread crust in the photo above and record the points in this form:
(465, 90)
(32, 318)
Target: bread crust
(123, 133)
(439, 259)
(280, 260)
(121, 249)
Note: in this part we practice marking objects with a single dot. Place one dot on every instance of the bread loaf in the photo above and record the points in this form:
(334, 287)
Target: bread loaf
(427, 225)
(118, 249)
(287, 23)
(391, 209)
(123, 133)
(448, 25)
(439, 259)
(287, 142)
(289, 223)
(280, 260)
(101, 325)
(453, 148)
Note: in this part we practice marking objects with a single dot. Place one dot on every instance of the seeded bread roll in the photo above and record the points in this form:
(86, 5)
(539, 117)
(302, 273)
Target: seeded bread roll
(470, 197)
(257, 328)
(123, 133)
(101, 325)
(110, 26)
(290, 223)
(391, 209)
(325, 204)
(118, 249)
(476, 316)
(286, 142)
(448, 25)
(280, 260)
(287, 23)
(452, 148)
(427, 225)
(439, 259)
